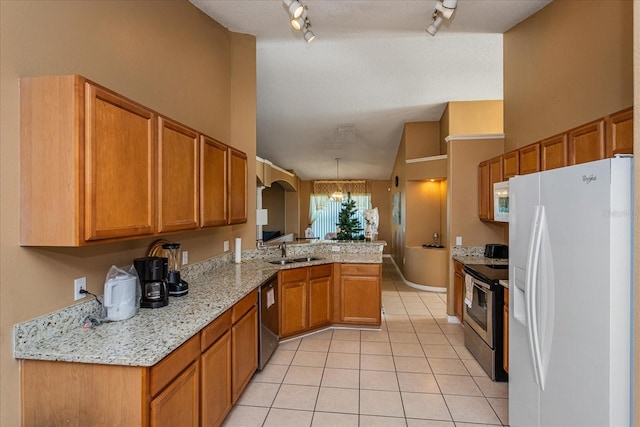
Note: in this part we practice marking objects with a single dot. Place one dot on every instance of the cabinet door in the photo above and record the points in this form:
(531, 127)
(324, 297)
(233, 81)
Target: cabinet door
(620, 133)
(244, 352)
(530, 159)
(293, 307)
(483, 190)
(511, 164)
(586, 143)
(319, 301)
(554, 152)
(213, 182)
(178, 404)
(360, 293)
(177, 176)
(237, 186)
(215, 382)
(119, 167)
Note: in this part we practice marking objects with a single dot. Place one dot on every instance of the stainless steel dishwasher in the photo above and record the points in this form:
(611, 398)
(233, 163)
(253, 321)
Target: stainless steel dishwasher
(269, 320)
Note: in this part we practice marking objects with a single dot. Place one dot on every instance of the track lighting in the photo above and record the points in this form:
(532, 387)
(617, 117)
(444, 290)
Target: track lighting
(299, 22)
(443, 9)
(308, 34)
(294, 7)
(435, 25)
(299, 19)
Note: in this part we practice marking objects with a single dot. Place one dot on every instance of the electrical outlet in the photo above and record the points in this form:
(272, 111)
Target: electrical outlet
(78, 284)
(458, 240)
(185, 257)
(226, 245)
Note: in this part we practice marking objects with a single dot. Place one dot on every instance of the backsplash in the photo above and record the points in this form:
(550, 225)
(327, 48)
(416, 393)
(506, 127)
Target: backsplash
(467, 251)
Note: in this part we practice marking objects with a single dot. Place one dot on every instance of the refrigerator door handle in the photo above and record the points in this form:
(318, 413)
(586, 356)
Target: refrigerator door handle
(531, 292)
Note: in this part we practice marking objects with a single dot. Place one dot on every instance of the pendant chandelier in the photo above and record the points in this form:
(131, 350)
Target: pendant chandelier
(337, 195)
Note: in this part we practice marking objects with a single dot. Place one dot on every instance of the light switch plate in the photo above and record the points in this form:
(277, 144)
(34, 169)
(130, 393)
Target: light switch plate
(458, 240)
(226, 245)
(185, 257)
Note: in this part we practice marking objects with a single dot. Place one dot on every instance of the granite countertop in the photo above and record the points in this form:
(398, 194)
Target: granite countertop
(479, 259)
(214, 286)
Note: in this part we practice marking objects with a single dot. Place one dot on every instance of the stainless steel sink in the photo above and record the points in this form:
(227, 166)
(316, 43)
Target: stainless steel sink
(281, 261)
(307, 259)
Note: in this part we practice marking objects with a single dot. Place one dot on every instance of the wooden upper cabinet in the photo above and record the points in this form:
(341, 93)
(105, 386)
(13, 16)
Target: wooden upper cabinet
(119, 172)
(483, 190)
(511, 164)
(213, 182)
(177, 176)
(86, 163)
(495, 175)
(620, 133)
(587, 143)
(529, 159)
(237, 186)
(554, 152)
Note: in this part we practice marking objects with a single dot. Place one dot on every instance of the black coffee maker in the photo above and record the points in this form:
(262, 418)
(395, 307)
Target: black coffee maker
(152, 272)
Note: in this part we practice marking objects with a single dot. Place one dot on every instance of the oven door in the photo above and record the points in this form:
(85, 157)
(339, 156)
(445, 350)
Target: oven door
(480, 315)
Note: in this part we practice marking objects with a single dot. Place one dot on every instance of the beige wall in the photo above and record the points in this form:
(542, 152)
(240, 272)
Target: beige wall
(273, 200)
(423, 139)
(166, 55)
(473, 118)
(568, 64)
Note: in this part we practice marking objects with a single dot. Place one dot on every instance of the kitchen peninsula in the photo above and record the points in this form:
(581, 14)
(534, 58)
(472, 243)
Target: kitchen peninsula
(160, 361)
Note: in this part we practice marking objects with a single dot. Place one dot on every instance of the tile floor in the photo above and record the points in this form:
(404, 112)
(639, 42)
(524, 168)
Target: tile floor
(415, 372)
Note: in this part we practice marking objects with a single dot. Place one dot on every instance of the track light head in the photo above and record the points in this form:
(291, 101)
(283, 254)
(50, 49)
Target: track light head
(294, 7)
(445, 11)
(435, 25)
(299, 22)
(308, 34)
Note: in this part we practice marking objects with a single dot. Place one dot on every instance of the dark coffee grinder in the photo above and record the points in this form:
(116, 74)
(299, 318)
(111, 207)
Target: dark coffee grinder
(152, 272)
(177, 286)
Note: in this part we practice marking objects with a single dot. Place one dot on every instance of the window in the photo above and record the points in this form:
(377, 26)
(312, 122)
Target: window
(324, 213)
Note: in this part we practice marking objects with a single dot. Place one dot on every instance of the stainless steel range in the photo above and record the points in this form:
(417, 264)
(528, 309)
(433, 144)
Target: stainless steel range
(483, 317)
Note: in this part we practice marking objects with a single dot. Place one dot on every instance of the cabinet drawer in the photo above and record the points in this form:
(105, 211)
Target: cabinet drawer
(320, 271)
(215, 330)
(360, 269)
(293, 275)
(243, 306)
(163, 372)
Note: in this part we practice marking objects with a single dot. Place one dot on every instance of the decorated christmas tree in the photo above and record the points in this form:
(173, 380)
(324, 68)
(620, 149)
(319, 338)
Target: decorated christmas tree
(349, 227)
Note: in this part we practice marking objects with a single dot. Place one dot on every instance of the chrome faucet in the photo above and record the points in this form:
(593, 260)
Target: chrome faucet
(283, 249)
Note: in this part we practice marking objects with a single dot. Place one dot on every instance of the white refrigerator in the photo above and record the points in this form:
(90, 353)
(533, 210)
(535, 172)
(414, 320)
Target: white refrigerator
(570, 295)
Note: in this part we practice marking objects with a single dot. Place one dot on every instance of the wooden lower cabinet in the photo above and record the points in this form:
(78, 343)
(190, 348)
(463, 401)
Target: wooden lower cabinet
(305, 299)
(215, 371)
(244, 351)
(320, 295)
(178, 404)
(458, 290)
(196, 384)
(505, 327)
(293, 290)
(359, 294)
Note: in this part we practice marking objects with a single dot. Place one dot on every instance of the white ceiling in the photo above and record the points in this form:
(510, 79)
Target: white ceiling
(371, 68)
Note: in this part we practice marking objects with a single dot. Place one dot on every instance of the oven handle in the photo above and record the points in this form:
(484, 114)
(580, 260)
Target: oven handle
(480, 284)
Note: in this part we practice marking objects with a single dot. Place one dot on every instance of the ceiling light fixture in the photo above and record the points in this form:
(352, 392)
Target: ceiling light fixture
(299, 19)
(443, 9)
(337, 195)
